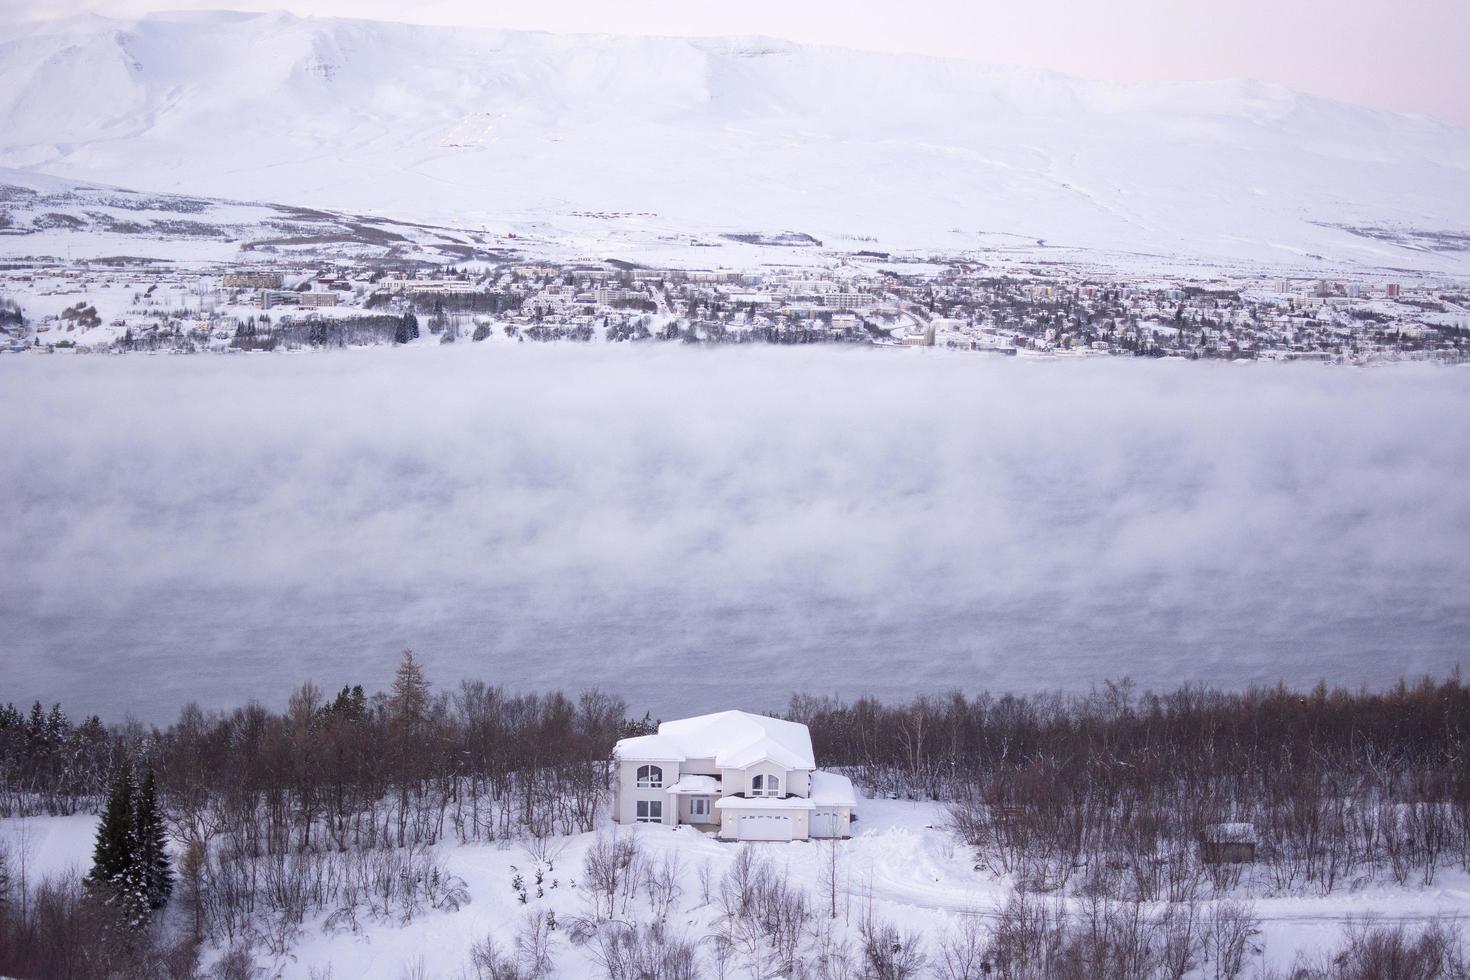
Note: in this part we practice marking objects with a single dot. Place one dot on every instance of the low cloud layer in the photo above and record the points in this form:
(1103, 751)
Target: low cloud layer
(699, 528)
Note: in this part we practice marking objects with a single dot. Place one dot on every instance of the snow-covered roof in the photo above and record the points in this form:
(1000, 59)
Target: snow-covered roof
(830, 789)
(648, 748)
(733, 739)
(696, 786)
(1230, 833)
(764, 803)
(762, 750)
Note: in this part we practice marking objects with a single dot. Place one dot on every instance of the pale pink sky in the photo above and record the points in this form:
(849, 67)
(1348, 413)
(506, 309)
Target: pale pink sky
(1409, 55)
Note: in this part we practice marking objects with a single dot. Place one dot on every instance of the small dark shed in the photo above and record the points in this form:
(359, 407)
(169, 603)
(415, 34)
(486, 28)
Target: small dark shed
(1228, 843)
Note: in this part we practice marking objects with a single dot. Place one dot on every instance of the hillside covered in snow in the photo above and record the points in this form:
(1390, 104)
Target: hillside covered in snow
(660, 141)
(42, 215)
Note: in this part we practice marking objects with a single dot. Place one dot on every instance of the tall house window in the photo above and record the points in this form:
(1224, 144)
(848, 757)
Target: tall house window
(650, 811)
(650, 777)
(765, 786)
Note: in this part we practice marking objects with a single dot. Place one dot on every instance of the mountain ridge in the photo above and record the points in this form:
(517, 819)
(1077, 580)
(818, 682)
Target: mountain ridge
(510, 129)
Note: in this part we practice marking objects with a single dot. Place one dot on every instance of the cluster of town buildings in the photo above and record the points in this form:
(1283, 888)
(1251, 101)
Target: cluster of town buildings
(94, 307)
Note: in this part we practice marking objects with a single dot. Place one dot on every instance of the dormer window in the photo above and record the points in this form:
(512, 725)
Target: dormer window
(765, 786)
(650, 777)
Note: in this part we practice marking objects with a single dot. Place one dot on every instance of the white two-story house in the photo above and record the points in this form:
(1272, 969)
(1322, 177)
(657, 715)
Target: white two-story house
(733, 774)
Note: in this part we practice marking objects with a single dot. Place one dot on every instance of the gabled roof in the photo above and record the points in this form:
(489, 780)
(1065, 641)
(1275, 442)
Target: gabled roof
(733, 739)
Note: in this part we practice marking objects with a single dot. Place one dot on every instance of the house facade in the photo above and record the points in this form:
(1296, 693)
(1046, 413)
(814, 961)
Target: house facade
(732, 774)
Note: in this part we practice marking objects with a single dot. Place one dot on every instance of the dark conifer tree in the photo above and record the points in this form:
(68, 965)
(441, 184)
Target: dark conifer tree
(349, 705)
(4, 879)
(114, 877)
(408, 329)
(113, 849)
(151, 856)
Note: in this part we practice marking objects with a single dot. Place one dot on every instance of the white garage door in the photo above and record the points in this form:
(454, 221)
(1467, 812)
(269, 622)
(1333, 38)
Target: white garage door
(763, 827)
(826, 823)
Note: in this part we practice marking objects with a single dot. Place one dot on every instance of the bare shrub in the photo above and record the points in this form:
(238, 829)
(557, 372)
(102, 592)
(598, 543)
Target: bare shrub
(962, 953)
(533, 944)
(545, 849)
(1102, 939)
(661, 884)
(651, 952)
(890, 954)
(529, 959)
(53, 929)
(1376, 952)
(1229, 928)
(832, 956)
(1029, 935)
(766, 919)
(236, 964)
(610, 870)
(489, 962)
(706, 882)
(1179, 940)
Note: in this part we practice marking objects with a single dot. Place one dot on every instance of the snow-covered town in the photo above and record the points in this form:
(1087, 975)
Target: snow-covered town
(952, 304)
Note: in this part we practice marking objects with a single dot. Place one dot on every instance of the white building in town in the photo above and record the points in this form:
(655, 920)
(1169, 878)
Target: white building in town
(736, 775)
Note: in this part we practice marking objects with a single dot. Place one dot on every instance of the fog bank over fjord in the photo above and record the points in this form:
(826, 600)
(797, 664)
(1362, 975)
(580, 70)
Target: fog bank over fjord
(701, 528)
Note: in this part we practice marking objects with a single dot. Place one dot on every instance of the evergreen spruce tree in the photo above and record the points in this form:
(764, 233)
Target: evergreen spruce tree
(408, 329)
(112, 855)
(151, 855)
(357, 703)
(349, 705)
(116, 877)
(4, 876)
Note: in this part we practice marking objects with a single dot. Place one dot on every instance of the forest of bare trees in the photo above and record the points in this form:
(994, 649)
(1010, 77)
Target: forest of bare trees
(330, 810)
(1111, 793)
(329, 807)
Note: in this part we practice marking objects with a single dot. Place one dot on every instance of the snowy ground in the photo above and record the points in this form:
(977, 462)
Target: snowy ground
(900, 859)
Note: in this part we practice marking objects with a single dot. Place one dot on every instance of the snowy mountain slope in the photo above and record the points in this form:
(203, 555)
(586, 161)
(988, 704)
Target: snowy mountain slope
(591, 134)
(42, 215)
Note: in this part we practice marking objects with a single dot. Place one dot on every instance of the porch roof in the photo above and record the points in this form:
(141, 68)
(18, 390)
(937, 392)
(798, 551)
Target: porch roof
(696, 786)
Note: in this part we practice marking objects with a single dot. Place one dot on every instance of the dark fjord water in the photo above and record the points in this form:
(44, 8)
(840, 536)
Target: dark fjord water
(698, 529)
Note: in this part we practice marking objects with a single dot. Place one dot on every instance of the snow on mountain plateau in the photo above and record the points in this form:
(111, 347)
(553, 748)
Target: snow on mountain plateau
(607, 137)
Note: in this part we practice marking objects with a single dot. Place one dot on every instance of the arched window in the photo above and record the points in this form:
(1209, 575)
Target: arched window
(765, 786)
(650, 777)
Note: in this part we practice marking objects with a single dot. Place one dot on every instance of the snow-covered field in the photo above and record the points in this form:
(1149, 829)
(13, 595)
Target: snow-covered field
(901, 862)
(702, 529)
(631, 147)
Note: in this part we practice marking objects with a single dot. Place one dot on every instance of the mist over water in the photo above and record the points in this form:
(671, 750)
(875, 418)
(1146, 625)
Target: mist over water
(696, 529)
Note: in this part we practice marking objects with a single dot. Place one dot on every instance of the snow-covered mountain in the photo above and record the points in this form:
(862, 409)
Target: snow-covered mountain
(49, 216)
(647, 138)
